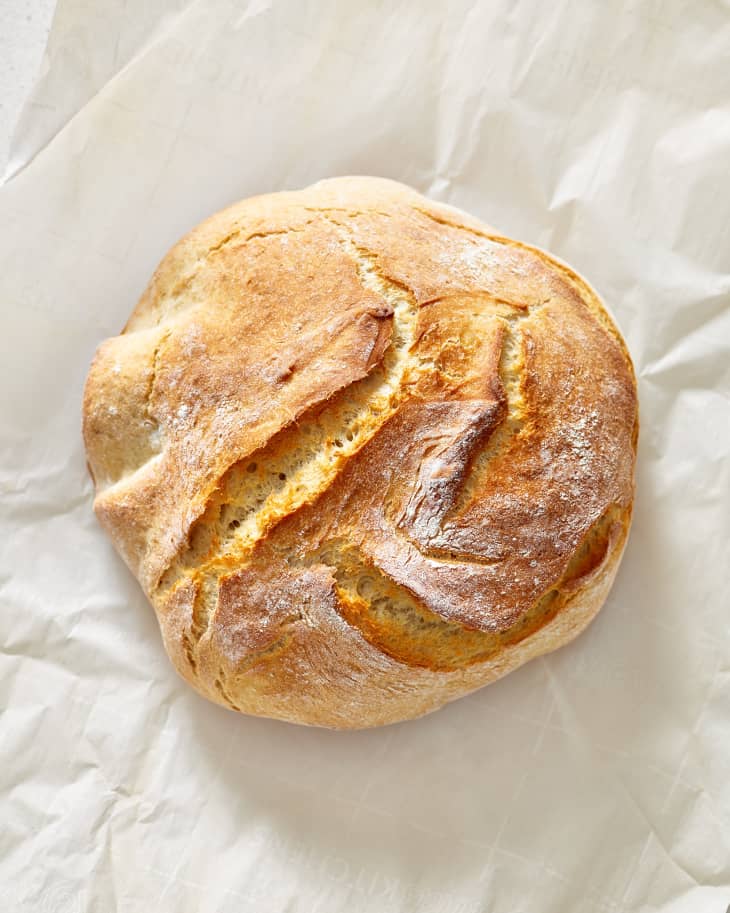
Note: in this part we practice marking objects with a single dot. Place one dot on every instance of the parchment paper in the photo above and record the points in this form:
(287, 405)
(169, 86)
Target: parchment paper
(597, 779)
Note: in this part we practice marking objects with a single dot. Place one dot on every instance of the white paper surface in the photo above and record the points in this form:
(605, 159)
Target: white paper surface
(597, 779)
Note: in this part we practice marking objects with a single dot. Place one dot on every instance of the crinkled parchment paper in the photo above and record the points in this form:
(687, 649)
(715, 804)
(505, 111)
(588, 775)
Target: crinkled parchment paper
(596, 779)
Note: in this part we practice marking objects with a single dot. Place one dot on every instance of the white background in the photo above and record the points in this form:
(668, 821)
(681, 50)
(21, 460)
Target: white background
(595, 780)
(24, 26)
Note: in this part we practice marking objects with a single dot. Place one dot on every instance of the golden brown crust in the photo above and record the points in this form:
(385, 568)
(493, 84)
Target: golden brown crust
(363, 453)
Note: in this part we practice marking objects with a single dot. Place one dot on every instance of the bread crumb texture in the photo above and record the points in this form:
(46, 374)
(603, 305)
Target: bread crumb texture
(363, 453)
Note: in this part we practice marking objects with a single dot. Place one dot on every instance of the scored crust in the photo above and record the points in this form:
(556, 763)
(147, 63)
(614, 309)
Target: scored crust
(363, 453)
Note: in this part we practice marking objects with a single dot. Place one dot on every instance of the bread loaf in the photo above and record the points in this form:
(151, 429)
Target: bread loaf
(363, 453)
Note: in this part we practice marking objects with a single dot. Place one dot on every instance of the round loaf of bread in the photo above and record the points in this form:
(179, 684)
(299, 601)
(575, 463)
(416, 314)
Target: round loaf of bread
(363, 453)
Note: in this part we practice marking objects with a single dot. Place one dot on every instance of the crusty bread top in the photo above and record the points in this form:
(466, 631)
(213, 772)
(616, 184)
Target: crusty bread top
(352, 377)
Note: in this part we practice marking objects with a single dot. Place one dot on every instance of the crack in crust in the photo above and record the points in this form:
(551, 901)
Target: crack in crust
(396, 622)
(255, 495)
(302, 461)
(512, 422)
